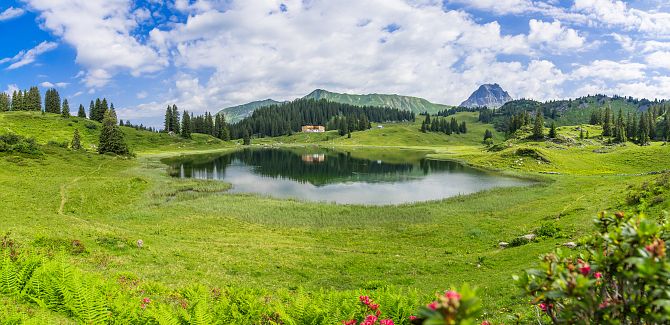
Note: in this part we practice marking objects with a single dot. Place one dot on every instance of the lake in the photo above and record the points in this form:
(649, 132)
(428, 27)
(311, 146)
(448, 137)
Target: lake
(354, 177)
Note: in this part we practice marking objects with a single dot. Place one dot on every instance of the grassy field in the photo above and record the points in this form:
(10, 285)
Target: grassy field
(195, 232)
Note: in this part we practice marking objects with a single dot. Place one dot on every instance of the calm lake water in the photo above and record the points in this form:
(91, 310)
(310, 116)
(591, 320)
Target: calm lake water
(340, 177)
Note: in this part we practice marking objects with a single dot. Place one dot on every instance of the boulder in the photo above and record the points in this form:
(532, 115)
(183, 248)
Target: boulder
(503, 245)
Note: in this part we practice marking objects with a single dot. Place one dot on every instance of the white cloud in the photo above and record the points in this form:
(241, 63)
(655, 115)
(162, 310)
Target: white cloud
(659, 59)
(554, 35)
(101, 33)
(610, 70)
(617, 13)
(142, 95)
(498, 6)
(11, 88)
(47, 84)
(27, 57)
(11, 13)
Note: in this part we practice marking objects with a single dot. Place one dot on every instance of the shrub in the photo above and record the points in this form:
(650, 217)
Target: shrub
(11, 142)
(548, 230)
(621, 277)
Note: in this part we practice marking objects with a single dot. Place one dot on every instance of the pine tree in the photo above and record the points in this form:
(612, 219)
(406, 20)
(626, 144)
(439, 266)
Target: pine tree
(186, 126)
(587, 134)
(552, 130)
(51, 101)
(76, 141)
(607, 122)
(17, 101)
(581, 133)
(666, 126)
(66, 109)
(175, 120)
(463, 128)
(167, 125)
(488, 134)
(92, 112)
(5, 104)
(32, 100)
(538, 127)
(643, 131)
(111, 136)
(82, 112)
(103, 108)
(246, 139)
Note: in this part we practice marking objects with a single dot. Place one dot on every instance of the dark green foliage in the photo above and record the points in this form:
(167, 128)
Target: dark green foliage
(246, 138)
(581, 134)
(27, 100)
(538, 126)
(488, 134)
(52, 101)
(221, 129)
(666, 127)
(111, 136)
(76, 140)
(81, 112)
(174, 120)
(607, 122)
(17, 101)
(65, 109)
(283, 119)
(548, 230)
(98, 109)
(167, 123)
(11, 142)
(186, 126)
(5, 103)
(643, 130)
(552, 130)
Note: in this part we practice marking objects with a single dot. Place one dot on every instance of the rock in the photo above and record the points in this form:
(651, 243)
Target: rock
(570, 245)
(503, 245)
(489, 95)
(140, 243)
(529, 237)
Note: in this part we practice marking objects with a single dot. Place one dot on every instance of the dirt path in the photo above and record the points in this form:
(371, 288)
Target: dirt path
(63, 189)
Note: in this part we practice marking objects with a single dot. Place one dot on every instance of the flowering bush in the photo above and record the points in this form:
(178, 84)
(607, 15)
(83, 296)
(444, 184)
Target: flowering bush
(452, 307)
(620, 277)
(373, 311)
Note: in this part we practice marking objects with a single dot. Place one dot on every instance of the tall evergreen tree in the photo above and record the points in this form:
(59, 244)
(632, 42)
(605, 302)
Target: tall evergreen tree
(17, 101)
(111, 136)
(91, 111)
(76, 141)
(5, 104)
(82, 112)
(246, 138)
(65, 111)
(607, 122)
(488, 134)
(32, 100)
(538, 127)
(666, 126)
(643, 131)
(175, 119)
(186, 126)
(52, 101)
(167, 124)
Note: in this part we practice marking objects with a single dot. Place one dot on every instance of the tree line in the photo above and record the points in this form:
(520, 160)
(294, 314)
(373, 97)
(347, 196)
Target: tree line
(640, 128)
(187, 123)
(440, 124)
(288, 118)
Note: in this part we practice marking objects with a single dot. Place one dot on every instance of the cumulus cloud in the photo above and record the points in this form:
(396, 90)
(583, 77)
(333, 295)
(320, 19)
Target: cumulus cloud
(11, 13)
(554, 35)
(498, 6)
(659, 59)
(610, 70)
(27, 57)
(618, 13)
(47, 84)
(102, 34)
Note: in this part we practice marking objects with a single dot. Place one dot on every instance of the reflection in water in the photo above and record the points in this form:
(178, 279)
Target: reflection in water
(338, 176)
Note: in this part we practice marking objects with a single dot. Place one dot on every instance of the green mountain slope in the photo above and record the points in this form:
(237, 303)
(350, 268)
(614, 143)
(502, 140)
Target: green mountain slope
(414, 104)
(237, 113)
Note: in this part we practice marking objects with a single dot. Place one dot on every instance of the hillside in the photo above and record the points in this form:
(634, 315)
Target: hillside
(237, 113)
(414, 104)
(45, 128)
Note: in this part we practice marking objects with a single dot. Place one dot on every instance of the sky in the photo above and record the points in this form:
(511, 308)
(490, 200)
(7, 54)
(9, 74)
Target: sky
(204, 55)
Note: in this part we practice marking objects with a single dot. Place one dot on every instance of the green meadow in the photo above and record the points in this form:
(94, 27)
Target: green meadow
(267, 254)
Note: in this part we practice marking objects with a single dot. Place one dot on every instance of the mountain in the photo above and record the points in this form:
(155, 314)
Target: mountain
(489, 95)
(237, 113)
(414, 104)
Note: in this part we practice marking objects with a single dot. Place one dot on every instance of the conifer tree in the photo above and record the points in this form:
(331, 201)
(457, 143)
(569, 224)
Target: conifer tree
(76, 141)
(666, 126)
(186, 126)
(454, 126)
(5, 104)
(104, 107)
(246, 139)
(91, 111)
(175, 120)
(552, 130)
(643, 131)
(167, 124)
(82, 112)
(538, 127)
(52, 101)
(581, 133)
(111, 136)
(66, 109)
(32, 100)
(607, 122)
(17, 101)
(488, 134)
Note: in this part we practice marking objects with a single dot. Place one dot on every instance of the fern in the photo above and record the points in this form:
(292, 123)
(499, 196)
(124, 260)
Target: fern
(9, 278)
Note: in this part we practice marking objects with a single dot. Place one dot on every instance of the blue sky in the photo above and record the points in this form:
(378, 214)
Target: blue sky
(204, 55)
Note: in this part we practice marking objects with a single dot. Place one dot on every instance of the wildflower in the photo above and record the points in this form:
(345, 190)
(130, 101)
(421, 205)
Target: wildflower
(543, 306)
(373, 306)
(619, 215)
(146, 300)
(349, 322)
(412, 317)
(598, 275)
(584, 268)
(452, 295)
(433, 305)
(369, 320)
(386, 322)
(364, 299)
(656, 249)
(486, 323)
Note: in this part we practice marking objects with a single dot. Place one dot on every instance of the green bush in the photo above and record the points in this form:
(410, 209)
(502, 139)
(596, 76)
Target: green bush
(11, 142)
(548, 230)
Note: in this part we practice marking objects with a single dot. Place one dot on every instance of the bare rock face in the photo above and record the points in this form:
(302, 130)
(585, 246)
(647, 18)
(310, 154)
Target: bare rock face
(489, 95)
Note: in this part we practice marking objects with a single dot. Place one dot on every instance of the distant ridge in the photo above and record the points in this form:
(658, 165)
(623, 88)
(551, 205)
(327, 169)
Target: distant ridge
(414, 104)
(489, 95)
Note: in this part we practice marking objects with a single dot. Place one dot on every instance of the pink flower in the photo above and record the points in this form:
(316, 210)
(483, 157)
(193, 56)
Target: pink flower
(433, 305)
(146, 300)
(584, 268)
(369, 320)
(486, 323)
(373, 306)
(364, 299)
(452, 295)
(412, 317)
(543, 306)
(349, 322)
(386, 322)
(598, 275)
